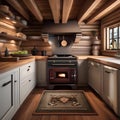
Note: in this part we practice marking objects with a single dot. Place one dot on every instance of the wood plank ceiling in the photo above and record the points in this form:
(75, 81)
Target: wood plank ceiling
(62, 11)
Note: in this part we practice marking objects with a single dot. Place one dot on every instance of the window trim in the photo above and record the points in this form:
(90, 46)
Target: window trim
(106, 32)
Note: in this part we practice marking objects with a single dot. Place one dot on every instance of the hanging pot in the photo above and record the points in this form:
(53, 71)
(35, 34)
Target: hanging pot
(64, 42)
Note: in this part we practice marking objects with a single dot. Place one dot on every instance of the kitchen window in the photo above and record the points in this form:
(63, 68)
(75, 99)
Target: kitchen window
(113, 37)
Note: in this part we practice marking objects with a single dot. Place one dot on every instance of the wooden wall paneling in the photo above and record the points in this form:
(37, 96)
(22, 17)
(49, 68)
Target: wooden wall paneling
(83, 47)
(7, 27)
(4, 21)
(39, 45)
(6, 30)
(10, 46)
(87, 29)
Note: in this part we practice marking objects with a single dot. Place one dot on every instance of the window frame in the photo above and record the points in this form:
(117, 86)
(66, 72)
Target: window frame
(107, 37)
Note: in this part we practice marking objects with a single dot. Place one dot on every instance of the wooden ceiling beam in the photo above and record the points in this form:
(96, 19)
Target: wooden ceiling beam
(19, 8)
(55, 8)
(31, 5)
(89, 8)
(106, 9)
(67, 6)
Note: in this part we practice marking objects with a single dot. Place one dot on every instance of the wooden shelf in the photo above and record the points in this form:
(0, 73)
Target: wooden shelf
(9, 37)
(10, 20)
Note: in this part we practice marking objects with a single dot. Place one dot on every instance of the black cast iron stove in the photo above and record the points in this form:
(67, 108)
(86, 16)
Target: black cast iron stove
(62, 70)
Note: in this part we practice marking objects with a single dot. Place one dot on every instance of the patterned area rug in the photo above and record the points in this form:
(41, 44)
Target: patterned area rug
(64, 102)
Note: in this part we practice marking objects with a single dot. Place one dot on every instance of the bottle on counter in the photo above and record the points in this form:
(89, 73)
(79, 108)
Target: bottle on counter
(34, 51)
(6, 52)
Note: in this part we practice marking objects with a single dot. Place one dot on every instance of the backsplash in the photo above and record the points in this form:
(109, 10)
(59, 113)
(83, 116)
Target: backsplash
(82, 47)
(11, 46)
(55, 42)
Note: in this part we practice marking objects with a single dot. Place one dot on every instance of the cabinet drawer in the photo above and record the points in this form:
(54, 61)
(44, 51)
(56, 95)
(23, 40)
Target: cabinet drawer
(26, 86)
(27, 69)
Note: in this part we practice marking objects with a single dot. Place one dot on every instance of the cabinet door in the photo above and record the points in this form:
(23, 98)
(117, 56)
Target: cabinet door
(82, 72)
(31, 82)
(9, 93)
(110, 87)
(24, 87)
(41, 73)
(91, 73)
(95, 76)
(27, 80)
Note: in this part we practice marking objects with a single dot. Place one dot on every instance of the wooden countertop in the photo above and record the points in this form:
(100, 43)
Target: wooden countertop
(110, 61)
(37, 58)
(6, 66)
(89, 56)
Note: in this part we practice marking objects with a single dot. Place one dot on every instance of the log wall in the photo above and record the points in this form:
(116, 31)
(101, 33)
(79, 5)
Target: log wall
(82, 47)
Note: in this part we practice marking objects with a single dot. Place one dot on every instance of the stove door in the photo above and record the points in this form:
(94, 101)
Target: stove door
(62, 75)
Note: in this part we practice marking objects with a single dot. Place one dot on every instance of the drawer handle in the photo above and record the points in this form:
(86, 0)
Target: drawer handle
(4, 84)
(28, 69)
(29, 66)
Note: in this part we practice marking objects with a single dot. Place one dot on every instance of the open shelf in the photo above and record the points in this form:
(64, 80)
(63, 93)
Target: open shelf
(10, 37)
(9, 20)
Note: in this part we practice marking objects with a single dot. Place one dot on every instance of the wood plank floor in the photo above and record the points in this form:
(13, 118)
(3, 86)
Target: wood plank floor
(30, 104)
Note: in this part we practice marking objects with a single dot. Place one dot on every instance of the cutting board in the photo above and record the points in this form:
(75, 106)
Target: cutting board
(9, 59)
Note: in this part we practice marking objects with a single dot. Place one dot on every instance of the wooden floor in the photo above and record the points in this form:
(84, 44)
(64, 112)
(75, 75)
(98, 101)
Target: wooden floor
(30, 104)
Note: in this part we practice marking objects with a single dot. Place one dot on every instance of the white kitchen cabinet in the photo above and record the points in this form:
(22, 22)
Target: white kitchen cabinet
(110, 87)
(41, 73)
(9, 92)
(82, 72)
(95, 75)
(27, 80)
(27, 69)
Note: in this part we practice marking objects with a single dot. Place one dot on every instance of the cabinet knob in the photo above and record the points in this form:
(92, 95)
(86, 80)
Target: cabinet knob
(15, 81)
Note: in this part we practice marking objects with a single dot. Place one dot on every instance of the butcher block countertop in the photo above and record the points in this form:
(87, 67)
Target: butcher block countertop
(110, 61)
(37, 58)
(6, 66)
